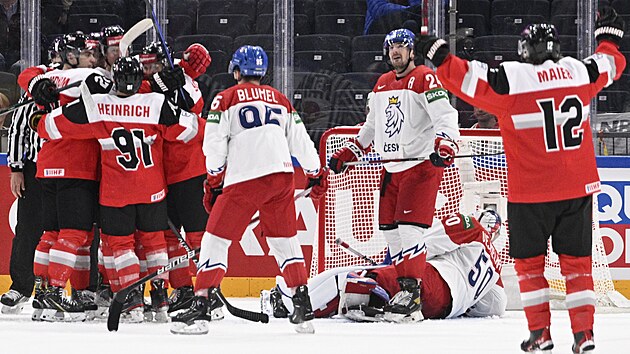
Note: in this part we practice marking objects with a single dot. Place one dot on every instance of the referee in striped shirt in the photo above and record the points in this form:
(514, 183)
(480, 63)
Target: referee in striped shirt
(24, 145)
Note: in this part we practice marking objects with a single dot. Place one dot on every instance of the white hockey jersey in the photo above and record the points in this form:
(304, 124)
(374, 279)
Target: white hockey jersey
(255, 131)
(406, 115)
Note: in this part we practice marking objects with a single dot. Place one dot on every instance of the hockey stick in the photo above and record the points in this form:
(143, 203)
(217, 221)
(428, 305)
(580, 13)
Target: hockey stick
(158, 30)
(234, 311)
(357, 253)
(30, 100)
(371, 162)
(118, 301)
(132, 34)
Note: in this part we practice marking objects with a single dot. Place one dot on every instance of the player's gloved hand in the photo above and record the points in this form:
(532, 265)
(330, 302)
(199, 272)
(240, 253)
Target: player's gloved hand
(445, 151)
(167, 80)
(212, 189)
(195, 60)
(43, 90)
(609, 25)
(352, 151)
(34, 119)
(319, 182)
(433, 48)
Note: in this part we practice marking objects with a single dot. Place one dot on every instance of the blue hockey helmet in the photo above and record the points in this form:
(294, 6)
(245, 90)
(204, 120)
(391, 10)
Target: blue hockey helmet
(250, 61)
(401, 35)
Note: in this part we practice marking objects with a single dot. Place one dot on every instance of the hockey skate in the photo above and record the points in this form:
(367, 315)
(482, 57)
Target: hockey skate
(13, 302)
(271, 303)
(406, 305)
(68, 310)
(302, 311)
(159, 303)
(539, 341)
(202, 310)
(584, 343)
(363, 313)
(40, 308)
(181, 299)
(86, 298)
(103, 298)
(133, 308)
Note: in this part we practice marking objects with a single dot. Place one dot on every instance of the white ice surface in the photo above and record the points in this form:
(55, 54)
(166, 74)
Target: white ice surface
(18, 334)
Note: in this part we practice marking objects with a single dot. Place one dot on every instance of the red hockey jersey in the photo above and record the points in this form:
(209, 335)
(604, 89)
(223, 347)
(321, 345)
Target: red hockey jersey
(68, 158)
(185, 161)
(130, 131)
(543, 113)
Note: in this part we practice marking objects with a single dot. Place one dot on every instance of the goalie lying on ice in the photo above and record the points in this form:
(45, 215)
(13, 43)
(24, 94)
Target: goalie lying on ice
(462, 277)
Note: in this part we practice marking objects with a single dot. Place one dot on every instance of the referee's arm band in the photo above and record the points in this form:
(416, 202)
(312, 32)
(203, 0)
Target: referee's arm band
(16, 169)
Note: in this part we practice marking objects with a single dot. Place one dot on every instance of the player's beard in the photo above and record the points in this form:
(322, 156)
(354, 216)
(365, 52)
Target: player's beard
(400, 65)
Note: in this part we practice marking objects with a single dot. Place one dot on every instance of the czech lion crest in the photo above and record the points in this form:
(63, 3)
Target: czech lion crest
(395, 117)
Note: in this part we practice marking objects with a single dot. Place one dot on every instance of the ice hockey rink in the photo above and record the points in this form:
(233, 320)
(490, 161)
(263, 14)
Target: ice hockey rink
(18, 334)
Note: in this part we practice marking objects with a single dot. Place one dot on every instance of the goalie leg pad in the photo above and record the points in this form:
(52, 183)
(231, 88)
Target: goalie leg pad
(213, 262)
(288, 254)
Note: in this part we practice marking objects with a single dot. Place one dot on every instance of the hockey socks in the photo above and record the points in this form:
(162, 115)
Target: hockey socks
(63, 256)
(534, 291)
(213, 263)
(41, 259)
(580, 294)
(288, 254)
(181, 275)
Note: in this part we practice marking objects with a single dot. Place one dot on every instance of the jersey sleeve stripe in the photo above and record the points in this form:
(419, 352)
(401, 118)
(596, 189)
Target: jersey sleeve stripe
(189, 122)
(51, 125)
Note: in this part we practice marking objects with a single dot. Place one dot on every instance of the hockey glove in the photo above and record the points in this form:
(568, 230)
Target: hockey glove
(609, 26)
(210, 195)
(195, 60)
(435, 49)
(34, 119)
(445, 151)
(319, 182)
(167, 80)
(352, 151)
(43, 90)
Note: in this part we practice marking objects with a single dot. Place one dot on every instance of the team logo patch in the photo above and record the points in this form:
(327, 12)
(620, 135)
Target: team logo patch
(296, 118)
(436, 94)
(395, 117)
(214, 117)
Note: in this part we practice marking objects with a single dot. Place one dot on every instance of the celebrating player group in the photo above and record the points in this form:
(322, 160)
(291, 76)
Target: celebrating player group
(128, 151)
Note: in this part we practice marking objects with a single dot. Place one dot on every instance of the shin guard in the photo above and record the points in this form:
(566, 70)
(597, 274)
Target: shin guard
(154, 247)
(580, 291)
(213, 262)
(125, 259)
(80, 277)
(413, 257)
(63, 255)
(180, 275)
(42, 258)
(288, 254)
(534, 291)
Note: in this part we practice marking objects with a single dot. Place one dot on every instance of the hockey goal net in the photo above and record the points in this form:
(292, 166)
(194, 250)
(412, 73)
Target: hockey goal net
(350, 209)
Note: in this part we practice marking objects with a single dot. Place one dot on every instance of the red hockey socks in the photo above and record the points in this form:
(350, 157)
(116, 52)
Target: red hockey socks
(63, 255)
(153, 246)
(109, 266)
(80, 277)
(125, 259)
(580, 294)
(413, 256)
(180, 275)
(534, 291)
(41, 259)
(288, 254)
(213, 263)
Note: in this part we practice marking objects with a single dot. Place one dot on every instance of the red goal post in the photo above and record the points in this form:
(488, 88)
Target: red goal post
(349, 209)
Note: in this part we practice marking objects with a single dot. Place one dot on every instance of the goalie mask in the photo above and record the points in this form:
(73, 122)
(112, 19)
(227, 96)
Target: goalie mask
(491, 221)
(127, 74)
(538, 43)
(250, 61)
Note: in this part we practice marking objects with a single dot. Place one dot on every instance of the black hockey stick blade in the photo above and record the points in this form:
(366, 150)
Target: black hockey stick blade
(30, 100)
(244, 314)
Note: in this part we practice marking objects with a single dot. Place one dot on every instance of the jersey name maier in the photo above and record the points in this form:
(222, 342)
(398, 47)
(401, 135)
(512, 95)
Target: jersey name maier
(255, 94)
(60, 81)
(554, 73)
(123, 109)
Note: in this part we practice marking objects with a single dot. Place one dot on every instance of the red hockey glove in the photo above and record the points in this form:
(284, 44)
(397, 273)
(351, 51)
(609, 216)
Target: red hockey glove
(195, 60)
(319, 182)
(352, 151)
(445, 151)
(43, 90)
(212, 188)
(609, 25)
